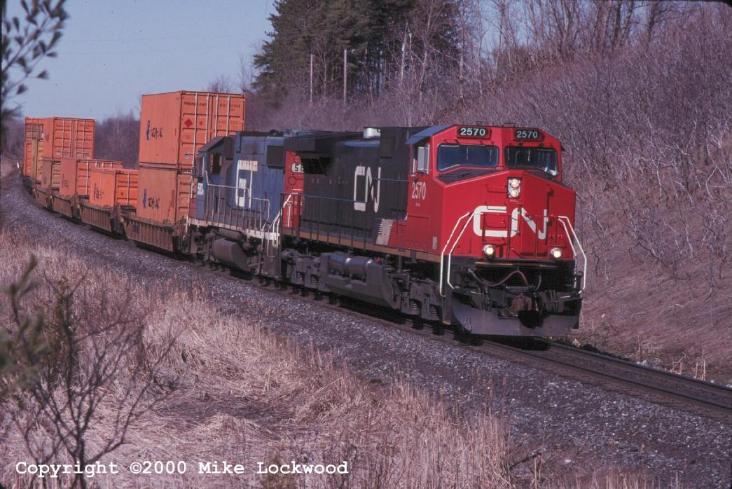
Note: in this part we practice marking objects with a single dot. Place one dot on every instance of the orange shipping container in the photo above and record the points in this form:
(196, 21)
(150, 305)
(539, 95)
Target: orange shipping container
(50, 173)
(55, 138)
(174, 126)
(164, 194)
(84, 166)
(67, 186)
(110, 187)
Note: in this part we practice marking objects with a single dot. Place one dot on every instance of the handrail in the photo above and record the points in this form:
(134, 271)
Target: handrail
(278, 218)
(447, 243)
(572, 237)
(265, 207)
(457, 241)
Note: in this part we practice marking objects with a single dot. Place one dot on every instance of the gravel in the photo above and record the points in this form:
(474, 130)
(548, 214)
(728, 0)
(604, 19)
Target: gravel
(577, 428)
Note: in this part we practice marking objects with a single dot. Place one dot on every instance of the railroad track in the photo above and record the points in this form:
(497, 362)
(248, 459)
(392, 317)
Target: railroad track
(617, 374)
(657, 385)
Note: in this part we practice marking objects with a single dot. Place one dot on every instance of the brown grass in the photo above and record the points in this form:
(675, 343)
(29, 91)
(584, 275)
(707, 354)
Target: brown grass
(244, 395)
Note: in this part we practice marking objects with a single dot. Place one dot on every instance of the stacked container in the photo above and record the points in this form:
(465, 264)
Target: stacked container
(173, 127)
(73, 182)
(112, 195)
(165, 195)
(50, 174)
(113, 187)
(83, 170)
(55, 138)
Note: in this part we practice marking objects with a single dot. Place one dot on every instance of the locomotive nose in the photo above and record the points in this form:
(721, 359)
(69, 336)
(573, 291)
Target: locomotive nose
(535, 230)
(519, 218)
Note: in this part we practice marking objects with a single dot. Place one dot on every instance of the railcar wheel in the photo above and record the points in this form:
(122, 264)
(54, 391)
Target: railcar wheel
(415, 322)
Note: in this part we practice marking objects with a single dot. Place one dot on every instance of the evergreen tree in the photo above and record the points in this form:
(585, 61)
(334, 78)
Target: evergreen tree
(383, 38)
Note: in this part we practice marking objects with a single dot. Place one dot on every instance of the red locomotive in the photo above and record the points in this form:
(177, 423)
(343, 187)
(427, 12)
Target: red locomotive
(468, 226)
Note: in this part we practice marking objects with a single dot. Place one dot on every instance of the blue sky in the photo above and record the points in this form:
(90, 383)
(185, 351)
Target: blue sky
(114, 51)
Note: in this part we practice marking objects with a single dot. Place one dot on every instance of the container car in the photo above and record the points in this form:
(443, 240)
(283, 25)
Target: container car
(173, 128)
(112, 196)
(164, 198)
(72, 183)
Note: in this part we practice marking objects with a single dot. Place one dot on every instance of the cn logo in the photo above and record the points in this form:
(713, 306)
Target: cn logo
(503, 233)
(363, 173)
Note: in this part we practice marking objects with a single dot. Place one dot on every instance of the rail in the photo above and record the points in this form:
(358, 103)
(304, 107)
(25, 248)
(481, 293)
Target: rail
(659, 386)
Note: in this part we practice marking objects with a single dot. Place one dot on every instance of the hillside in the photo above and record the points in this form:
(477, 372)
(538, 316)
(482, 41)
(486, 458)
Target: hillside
(645, 124)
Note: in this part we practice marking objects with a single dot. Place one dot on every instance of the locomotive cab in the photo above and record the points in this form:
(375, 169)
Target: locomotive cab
(505, 225)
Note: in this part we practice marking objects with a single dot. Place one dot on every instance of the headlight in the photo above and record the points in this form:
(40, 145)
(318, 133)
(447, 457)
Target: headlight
(556, 253)
(514, 187)
(489, 250)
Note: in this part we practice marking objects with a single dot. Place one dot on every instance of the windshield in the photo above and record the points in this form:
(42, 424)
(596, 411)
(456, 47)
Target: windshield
(451, 155)
(540, 158)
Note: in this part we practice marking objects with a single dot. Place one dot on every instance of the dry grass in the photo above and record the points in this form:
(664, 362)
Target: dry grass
(243, 395)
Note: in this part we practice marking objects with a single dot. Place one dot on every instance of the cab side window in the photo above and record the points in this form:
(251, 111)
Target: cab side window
(214, 164)
(421, 163)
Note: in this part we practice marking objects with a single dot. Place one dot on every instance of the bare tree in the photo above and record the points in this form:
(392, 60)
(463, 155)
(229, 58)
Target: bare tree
(117, 138)
(81, 373)
(25, 43)
(222, 84)
(246, 75)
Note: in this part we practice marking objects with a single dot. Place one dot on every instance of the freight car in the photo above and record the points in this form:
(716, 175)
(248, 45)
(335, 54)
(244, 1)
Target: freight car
(173, 128)
(462, 225)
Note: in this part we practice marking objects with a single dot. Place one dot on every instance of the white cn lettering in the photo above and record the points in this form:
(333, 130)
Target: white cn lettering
(541, 233)
(502, 233)
(478, 218)
(369, 189)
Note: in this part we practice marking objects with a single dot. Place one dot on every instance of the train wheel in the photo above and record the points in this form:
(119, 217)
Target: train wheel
(465, 337)
(415, 322)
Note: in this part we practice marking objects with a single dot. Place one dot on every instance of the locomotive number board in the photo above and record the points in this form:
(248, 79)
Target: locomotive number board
(473, 132)
(528, 135)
